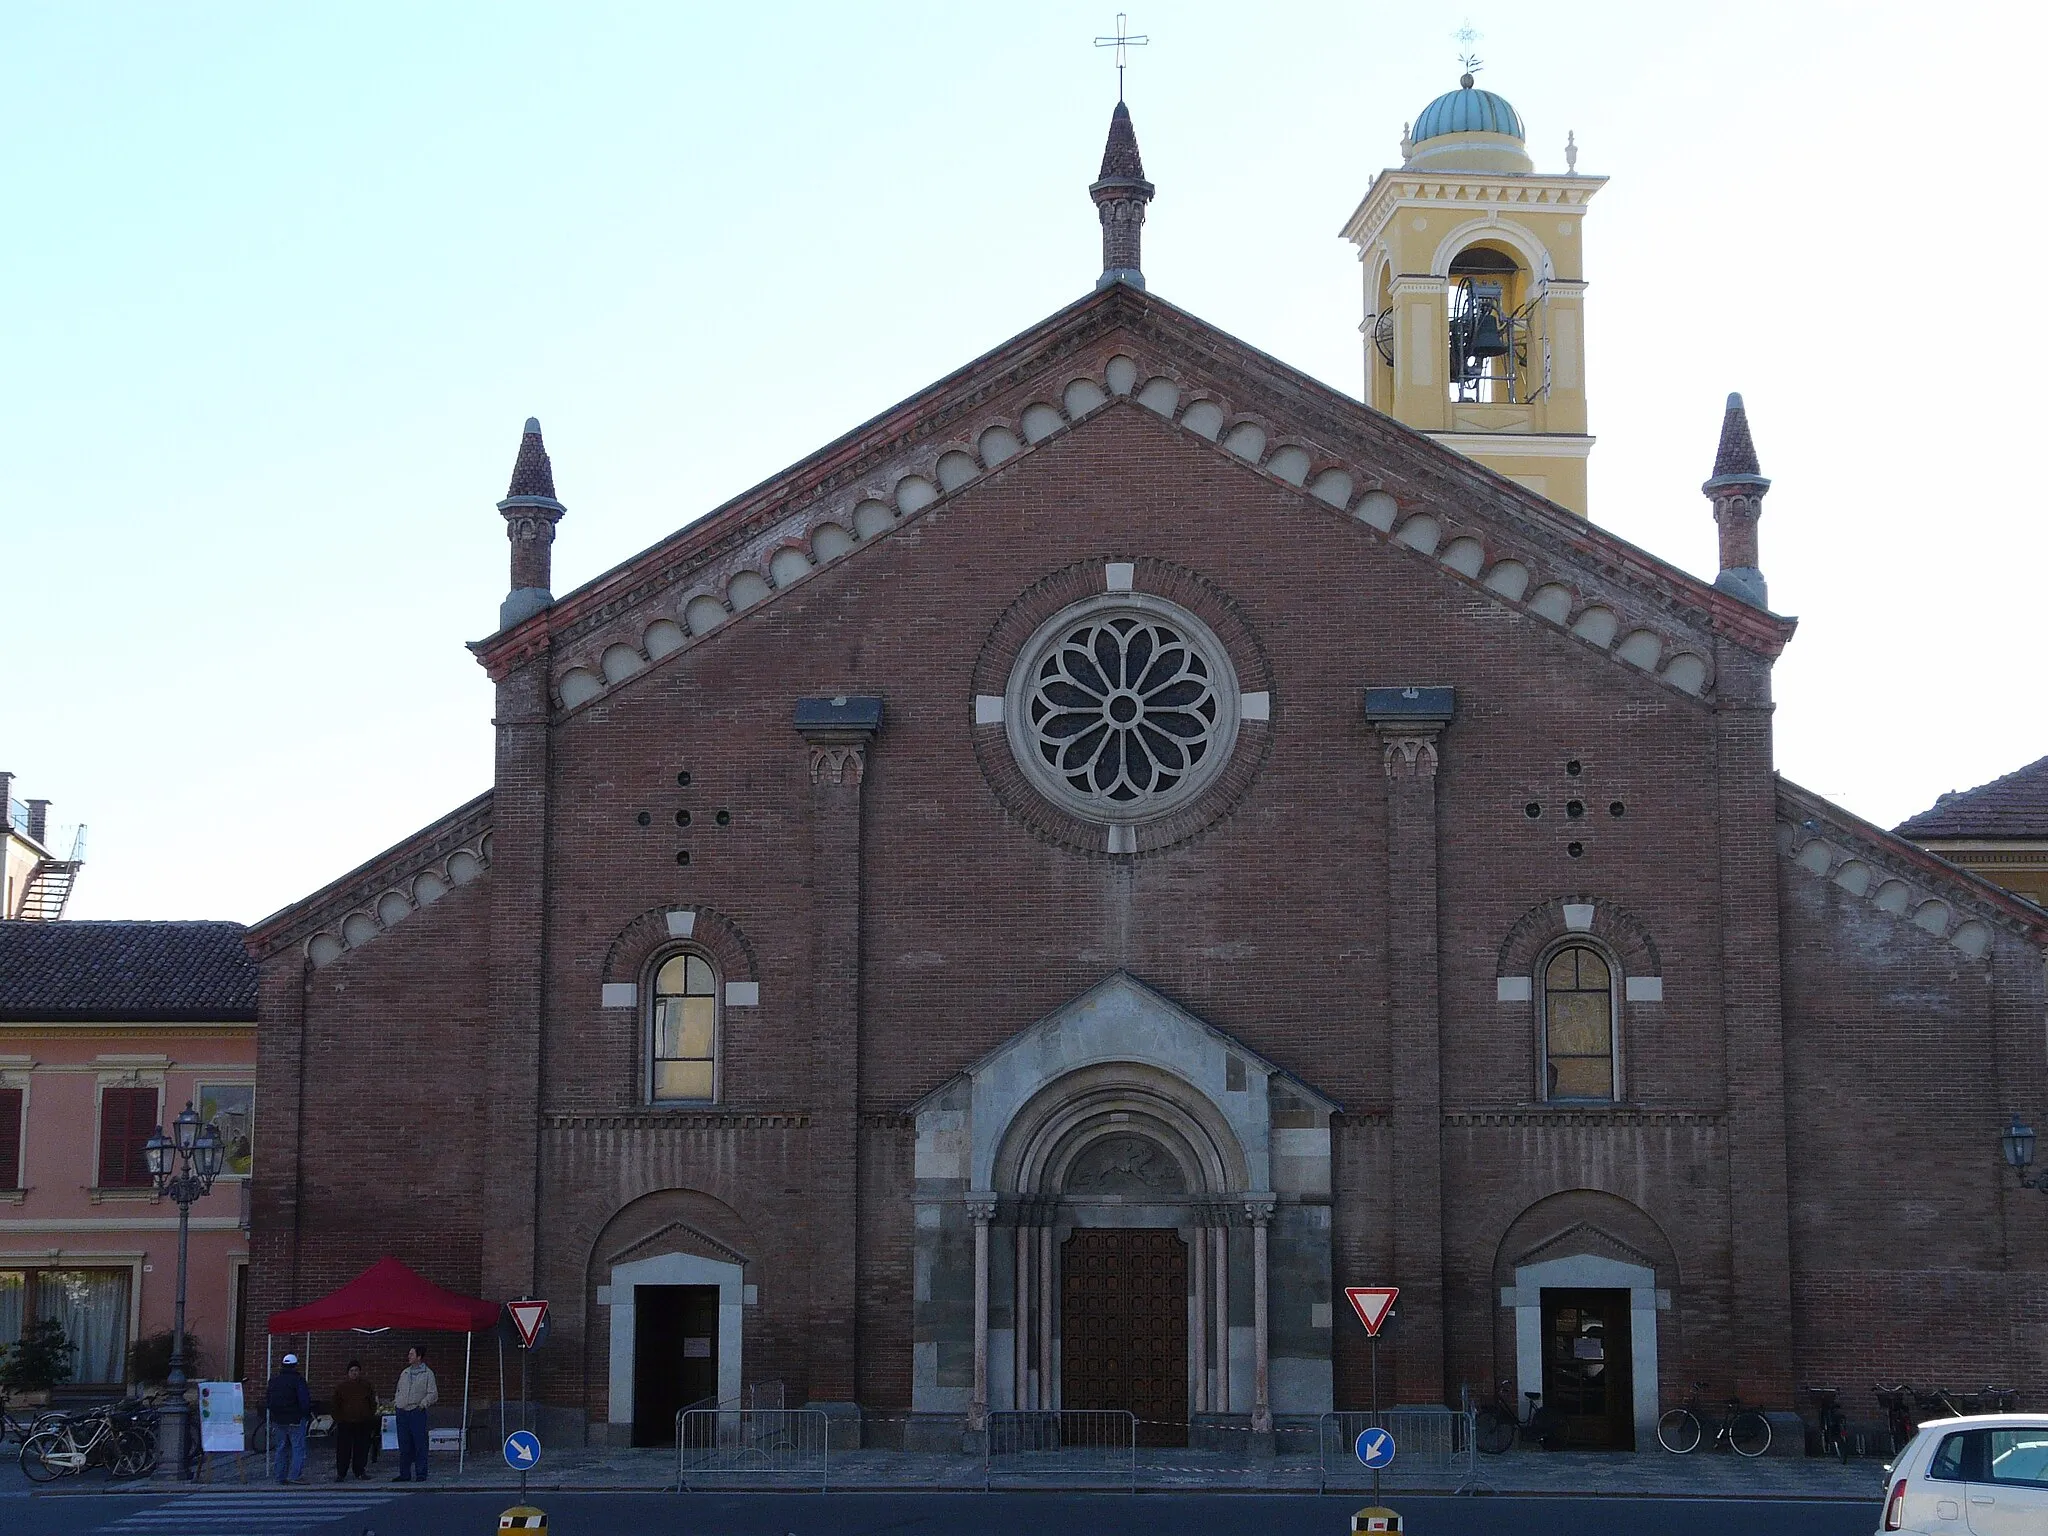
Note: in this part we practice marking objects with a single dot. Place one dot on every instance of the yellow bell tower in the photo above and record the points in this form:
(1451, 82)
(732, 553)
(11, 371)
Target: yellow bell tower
(1475, 294)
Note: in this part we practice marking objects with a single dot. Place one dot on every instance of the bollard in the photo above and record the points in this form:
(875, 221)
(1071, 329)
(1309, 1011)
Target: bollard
(1375, 1517)
(523, 1517)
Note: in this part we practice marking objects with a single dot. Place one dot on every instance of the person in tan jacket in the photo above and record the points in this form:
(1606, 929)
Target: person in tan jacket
(416, 1393)
(354, 1405)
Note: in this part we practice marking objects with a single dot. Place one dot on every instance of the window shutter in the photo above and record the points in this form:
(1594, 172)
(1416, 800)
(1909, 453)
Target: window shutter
(10, 1138)
(127, 1116)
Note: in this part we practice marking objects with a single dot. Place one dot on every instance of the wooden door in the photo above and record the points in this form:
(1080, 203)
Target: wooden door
(1124, 1327)
(1589, 1367)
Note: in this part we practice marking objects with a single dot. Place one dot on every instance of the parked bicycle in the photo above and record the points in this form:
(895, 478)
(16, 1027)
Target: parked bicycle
(1496, 1426)
(1834, 1424)
(113, 1436)
(19, 1429)
(1896, 1401)
(1940, 1403)
(1682, 1430)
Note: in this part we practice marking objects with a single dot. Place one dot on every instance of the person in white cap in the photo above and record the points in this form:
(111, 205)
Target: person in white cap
(290, 1404)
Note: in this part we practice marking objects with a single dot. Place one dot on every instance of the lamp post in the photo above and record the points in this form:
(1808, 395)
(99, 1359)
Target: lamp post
(184, 1166)
(2018, 1142)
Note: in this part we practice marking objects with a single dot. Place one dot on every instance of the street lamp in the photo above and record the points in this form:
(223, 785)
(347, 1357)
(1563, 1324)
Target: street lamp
(2018, 1142)
(184, 1166)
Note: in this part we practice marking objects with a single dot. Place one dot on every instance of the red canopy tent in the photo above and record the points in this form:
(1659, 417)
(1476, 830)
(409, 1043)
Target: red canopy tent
(390, 1295)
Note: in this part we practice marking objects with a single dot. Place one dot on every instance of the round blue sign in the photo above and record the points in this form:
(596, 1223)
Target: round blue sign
(522, 1450)
(1375, 1448)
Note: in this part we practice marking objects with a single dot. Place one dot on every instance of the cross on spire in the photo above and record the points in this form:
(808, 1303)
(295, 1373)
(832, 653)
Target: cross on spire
(1122, 42)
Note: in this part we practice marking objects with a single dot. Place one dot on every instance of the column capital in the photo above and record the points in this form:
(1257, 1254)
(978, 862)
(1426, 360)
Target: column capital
(1408, 721)
(982, 1207)
(1258, 1209)
(837, 731)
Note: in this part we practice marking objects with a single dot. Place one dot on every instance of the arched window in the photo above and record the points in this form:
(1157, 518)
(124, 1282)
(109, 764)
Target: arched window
(1578, 1025)
(685, 1030)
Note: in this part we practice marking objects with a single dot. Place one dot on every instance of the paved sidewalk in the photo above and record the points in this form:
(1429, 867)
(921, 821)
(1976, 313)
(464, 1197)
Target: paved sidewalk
(1521, 1471)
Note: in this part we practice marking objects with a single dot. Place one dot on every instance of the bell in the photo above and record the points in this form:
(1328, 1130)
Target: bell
(1487, 340)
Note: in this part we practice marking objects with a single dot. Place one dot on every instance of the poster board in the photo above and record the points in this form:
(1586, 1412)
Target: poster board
(220, 1418)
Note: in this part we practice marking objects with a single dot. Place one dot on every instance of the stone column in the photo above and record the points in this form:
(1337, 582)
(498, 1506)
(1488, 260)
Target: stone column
(982, 1208)
(1048, 1307)
(1259, 1212)
(1020, 1310)
(836, 735)
(1409, 724)
(1222, 1268)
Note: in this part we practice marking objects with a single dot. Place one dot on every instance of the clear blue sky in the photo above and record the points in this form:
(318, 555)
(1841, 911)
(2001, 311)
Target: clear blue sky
(282, 281)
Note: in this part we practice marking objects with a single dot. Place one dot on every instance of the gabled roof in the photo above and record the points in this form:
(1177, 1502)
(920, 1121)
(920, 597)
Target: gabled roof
(1116, 349)
(2015, 806)
(127, 973)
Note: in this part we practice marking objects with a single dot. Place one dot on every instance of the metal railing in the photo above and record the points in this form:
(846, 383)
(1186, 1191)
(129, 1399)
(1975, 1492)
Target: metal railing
(1433, 1448)
(1060, 1448)
(751, 1448)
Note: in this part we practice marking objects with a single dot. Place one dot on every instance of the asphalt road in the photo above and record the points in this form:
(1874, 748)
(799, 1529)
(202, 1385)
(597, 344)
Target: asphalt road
(312, 1512)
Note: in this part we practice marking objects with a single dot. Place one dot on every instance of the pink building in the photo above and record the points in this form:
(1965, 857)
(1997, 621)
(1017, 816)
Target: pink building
(106, 1031)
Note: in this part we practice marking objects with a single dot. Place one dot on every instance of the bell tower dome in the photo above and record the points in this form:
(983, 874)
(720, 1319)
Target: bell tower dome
(1474, 294)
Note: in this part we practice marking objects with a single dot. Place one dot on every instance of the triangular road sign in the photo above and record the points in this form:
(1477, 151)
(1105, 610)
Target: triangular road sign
(527, 1316)
(1372, 1303)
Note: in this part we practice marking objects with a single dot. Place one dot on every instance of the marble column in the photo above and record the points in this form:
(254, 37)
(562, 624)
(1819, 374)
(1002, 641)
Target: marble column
(1199, 1264)
(1259, 1212)
(1222, 1278)
(1020, 1309)
(982, 1208)
(1048, 1307)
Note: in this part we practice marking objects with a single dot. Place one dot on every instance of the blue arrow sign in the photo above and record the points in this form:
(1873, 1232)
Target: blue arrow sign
(522, 1450)
(1375, 1448)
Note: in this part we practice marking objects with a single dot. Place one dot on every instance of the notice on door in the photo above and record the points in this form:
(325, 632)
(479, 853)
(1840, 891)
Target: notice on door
(697, 1349)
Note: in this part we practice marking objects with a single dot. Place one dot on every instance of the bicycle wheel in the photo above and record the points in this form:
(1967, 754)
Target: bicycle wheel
(47, 1456)
(135, 1454)
(1679, 1431)
(1493, 1431)
(1749, 1432)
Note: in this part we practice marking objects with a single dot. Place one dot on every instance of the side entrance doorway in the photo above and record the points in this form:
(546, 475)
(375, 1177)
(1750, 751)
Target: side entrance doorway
(1124, 1327)
(675, 1356)
(1589, 1367)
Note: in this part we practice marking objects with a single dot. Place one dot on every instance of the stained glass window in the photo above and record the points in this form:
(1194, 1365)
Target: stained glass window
(685, 1029)
(1578, 1025)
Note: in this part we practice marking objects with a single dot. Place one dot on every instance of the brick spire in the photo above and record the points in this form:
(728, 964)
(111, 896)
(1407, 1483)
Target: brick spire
(530, 512)
(1121, 193)
(1737, 489)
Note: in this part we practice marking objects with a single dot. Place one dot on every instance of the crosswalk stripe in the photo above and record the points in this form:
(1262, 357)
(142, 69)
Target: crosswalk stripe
(258, 1512)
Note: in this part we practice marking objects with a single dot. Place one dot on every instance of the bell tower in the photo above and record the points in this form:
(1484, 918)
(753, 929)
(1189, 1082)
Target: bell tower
(1474, 294)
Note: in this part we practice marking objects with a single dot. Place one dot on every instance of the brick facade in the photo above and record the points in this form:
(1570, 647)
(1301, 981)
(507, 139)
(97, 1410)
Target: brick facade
(1803, 1150)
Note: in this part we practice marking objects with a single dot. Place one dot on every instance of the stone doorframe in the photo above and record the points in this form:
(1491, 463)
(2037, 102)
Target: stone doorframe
(1590, 1272)
(672, 1269)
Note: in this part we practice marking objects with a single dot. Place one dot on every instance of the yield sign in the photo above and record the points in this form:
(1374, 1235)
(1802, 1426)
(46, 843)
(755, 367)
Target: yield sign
(527, 1316)
(1372, 1303)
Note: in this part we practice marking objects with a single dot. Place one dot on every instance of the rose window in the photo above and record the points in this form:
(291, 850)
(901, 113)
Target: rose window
(1123, 711)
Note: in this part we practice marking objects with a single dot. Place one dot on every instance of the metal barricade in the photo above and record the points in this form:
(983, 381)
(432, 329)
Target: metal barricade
(1060, 1448)
(1433, 1448)
(719, 1448)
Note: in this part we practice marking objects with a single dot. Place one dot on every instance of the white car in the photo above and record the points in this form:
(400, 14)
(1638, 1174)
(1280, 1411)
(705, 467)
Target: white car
(1985, 1475)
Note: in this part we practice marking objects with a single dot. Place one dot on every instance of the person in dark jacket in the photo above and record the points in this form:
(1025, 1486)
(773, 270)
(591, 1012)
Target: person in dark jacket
(355, 1422)
(290, 1404)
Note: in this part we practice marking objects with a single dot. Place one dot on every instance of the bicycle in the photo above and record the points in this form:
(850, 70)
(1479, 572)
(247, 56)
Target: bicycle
(1747, 1432)
(1898, 1417)
(1496, 1426)
(18, 1430)
(1994, 1400)
(110, 1440)
(1834, 1424)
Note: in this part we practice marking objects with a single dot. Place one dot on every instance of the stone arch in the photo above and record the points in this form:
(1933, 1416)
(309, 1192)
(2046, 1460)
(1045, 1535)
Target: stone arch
(1050, 1133)
(1477, 231)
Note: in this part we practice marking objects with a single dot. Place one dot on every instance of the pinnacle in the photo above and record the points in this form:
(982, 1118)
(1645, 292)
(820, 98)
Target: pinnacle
(1736, 459)
(1120, 160)
(532, 473)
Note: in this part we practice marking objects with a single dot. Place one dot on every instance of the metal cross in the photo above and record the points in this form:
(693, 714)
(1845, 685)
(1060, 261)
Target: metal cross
(1122, 41)
(1469, 35)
